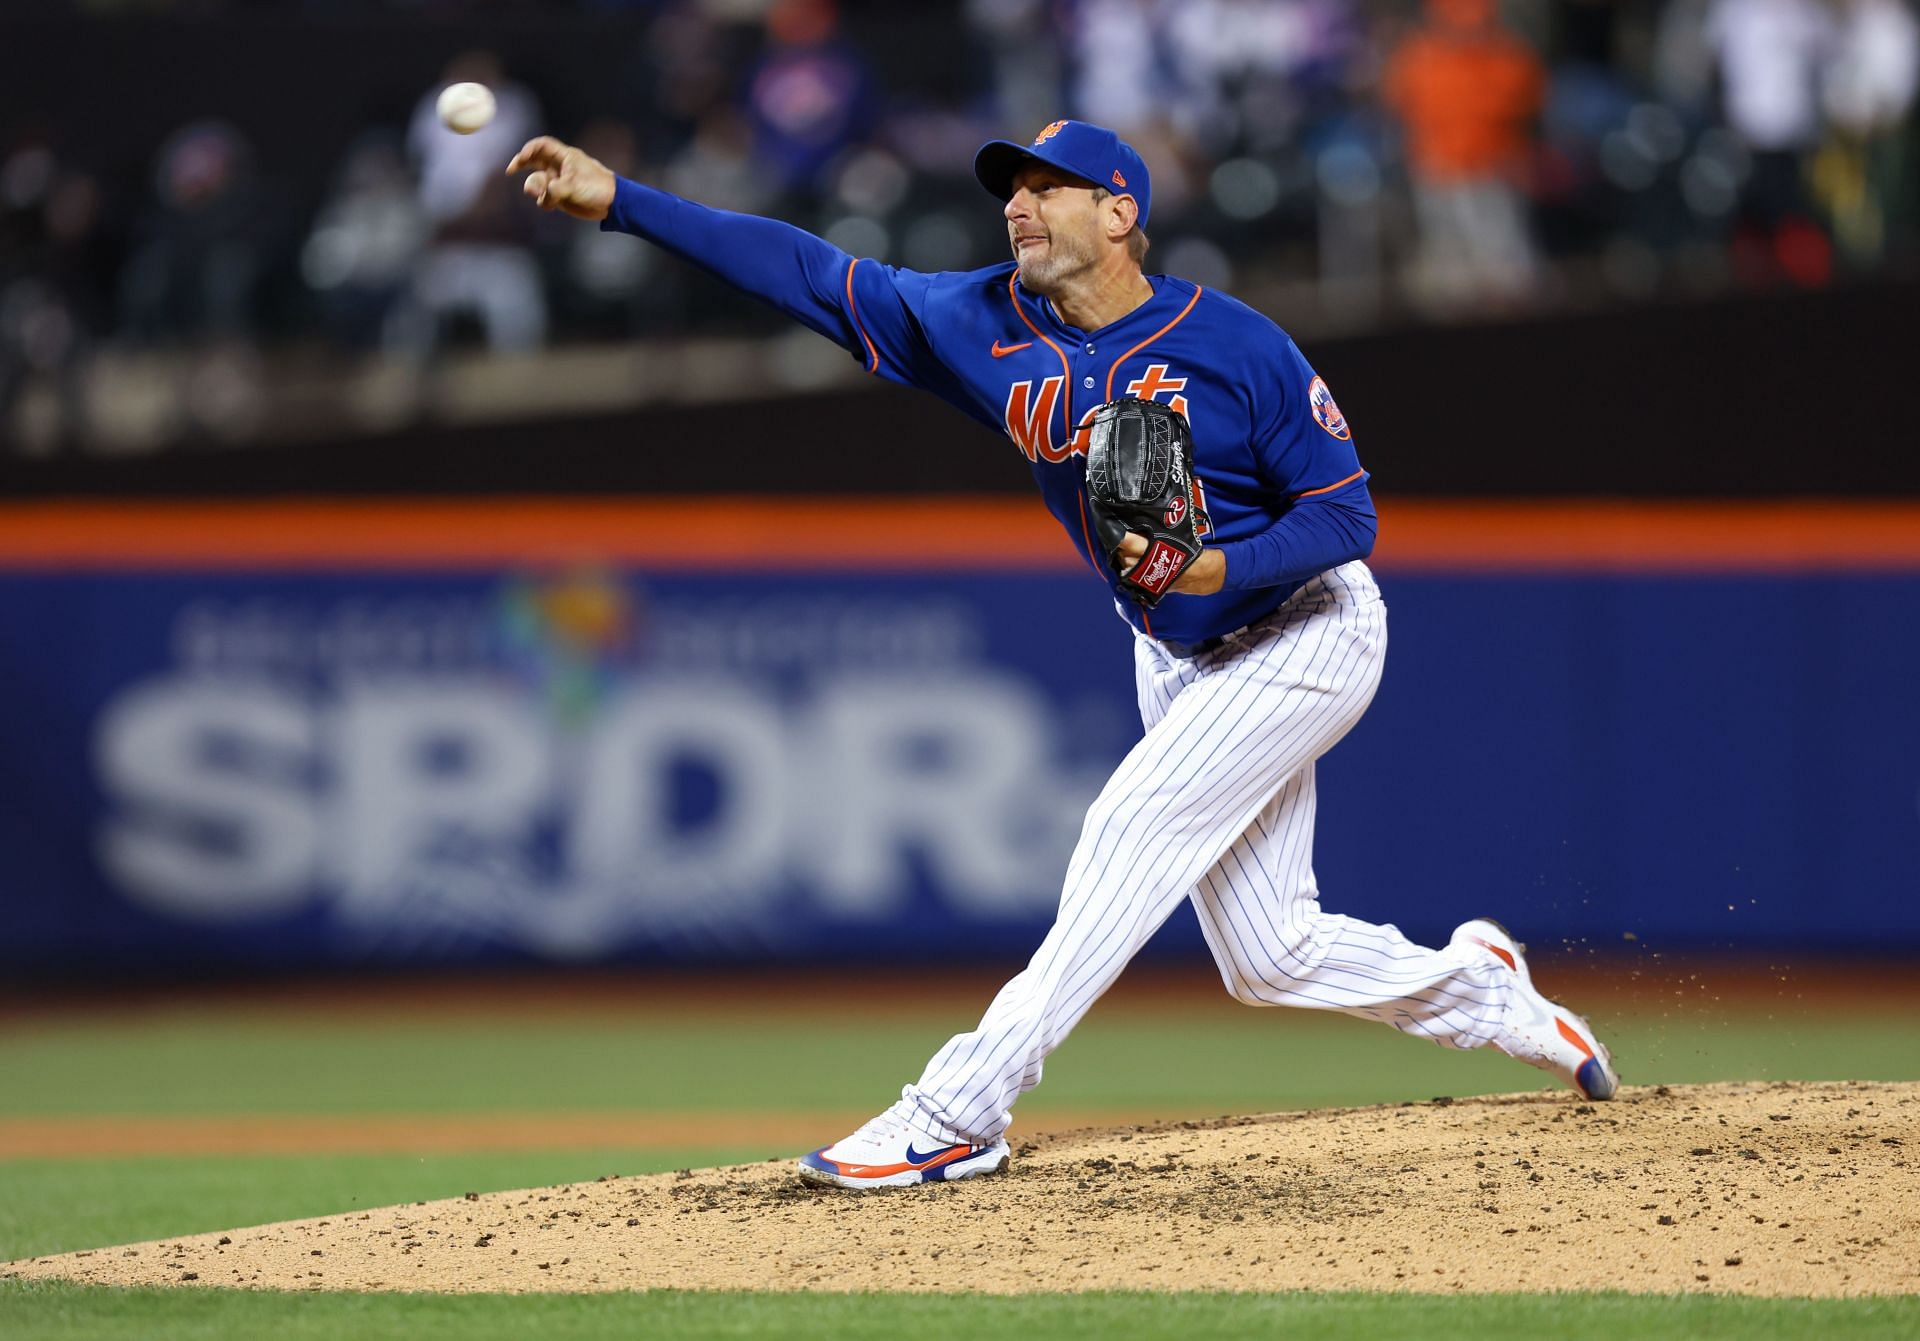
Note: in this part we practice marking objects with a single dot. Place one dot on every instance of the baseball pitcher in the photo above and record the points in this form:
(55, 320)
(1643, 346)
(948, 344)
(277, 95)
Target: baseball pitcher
(1209, 480)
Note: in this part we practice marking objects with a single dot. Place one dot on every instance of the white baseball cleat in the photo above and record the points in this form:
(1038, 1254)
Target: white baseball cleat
(1540, 1032)
(895, 1150)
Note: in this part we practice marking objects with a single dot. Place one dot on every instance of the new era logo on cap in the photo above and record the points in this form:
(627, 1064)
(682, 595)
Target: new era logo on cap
(1085, 150)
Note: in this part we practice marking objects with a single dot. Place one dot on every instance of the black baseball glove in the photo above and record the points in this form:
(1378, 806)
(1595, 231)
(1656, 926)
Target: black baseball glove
(1140, 479)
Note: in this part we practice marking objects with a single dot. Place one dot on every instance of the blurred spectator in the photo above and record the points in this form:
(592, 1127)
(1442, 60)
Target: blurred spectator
(1868, 93)
(607, 274)
(51, 266)
(1683, 59)
(1116, 52)
(1770, 55)
(684, 72)
(1242, 69)
(716, 165)
(201, 252)
(1586, 157)
(1467, 90)
(1024, 64)
(1679, 142)
(479, 262)
(365, 242)
(810, 98)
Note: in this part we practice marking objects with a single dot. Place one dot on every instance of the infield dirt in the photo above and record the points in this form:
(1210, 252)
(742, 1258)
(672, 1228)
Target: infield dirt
(1777, 1189)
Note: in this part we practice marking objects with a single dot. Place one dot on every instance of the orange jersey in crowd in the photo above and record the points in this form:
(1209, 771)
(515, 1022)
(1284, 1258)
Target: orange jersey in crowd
(1466, 96)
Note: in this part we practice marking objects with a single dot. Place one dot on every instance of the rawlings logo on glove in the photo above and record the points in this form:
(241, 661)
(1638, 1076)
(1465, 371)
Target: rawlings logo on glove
(1140, 480)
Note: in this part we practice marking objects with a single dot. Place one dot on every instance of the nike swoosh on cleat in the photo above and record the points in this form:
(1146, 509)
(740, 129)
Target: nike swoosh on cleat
(915, 1158)
(1000, 351)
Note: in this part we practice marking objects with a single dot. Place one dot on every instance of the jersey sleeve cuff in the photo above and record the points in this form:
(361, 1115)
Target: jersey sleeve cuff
(629, 198)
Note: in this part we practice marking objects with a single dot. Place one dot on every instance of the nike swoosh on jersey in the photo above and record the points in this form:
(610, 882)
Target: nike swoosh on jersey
(1000, 351)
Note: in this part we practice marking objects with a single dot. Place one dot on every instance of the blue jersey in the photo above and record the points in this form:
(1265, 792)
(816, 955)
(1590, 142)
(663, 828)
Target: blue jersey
(1273, 457)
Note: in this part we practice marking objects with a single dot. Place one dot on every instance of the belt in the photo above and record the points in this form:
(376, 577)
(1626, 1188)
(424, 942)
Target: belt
(1187, 651)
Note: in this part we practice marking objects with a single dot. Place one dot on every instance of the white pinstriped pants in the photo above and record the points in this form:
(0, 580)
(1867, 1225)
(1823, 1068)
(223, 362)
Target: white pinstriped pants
(1216, 803)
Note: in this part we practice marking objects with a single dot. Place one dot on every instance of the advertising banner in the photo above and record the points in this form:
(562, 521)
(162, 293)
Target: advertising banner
(233, 768)
(570, 765)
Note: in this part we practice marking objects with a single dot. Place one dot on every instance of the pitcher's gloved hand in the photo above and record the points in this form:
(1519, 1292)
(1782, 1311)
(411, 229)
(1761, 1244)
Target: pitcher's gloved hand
(1140, 482)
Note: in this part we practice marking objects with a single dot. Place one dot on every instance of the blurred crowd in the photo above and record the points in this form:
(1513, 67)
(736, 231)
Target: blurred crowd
(1442, 159)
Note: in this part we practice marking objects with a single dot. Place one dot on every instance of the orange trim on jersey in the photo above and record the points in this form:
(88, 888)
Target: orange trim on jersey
(754, 533)
(1086, 533)
(853, 310)
(1066, 369)
(1331, 487)
(1151, 338)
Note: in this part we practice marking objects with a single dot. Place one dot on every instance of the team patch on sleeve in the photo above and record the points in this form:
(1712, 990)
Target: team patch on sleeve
(1325, 412)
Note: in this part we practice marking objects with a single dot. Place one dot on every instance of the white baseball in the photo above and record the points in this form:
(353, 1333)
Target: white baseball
(465, 108)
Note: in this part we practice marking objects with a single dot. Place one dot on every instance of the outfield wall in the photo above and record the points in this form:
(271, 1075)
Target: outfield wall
(266, 736)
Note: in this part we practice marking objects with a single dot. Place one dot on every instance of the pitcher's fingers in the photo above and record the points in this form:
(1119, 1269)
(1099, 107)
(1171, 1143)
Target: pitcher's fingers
(541, 151)
(536, 186)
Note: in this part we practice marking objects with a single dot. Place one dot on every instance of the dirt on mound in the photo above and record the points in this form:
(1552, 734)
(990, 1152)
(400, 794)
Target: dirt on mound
(1777, 1189)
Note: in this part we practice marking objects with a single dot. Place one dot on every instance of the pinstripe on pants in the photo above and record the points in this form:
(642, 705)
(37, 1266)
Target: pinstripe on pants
(1216, 803)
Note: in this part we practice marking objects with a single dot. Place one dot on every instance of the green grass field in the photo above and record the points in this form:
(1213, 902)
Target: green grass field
(1146, 1057)
(212, 1315)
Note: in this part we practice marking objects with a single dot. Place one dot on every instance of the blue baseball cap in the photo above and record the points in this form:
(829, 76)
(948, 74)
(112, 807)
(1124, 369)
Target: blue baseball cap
(1088, 151)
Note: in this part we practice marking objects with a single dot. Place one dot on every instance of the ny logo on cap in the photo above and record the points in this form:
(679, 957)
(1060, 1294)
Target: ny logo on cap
(1050, 132)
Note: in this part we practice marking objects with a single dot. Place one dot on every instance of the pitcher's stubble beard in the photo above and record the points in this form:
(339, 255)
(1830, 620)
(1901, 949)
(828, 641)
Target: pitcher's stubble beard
(1059, 258)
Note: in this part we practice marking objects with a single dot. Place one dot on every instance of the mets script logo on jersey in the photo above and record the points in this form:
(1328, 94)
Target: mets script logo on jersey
(1325, 412)
(1029, 419)
(1053, 129)
(1029, 414)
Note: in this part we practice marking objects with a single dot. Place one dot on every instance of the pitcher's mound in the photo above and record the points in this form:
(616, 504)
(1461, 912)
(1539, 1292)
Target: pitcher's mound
(1779, 1189)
